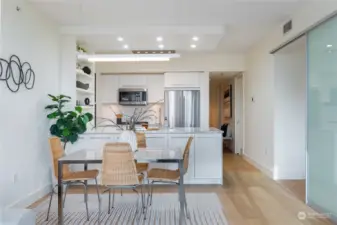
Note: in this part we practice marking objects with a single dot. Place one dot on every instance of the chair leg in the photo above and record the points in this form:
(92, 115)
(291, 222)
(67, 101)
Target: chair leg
(109, 206)
(137, 204)
(65, 194)
(99, 202)
(121, 192)
(113, 198)
(50, 200)
(86, 199)
(151, 192)
(143, 202)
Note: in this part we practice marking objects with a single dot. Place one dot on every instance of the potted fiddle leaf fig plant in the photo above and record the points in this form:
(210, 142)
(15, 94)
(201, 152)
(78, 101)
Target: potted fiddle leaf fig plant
(68, 125)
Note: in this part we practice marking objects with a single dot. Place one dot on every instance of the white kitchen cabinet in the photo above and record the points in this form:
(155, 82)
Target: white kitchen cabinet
(155, 86)
(207, 156)
(132, 81)
(181, 80)
(180, 141)
(107, 89)
(156, 141)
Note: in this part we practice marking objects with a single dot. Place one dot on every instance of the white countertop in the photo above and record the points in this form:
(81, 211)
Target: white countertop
(178, 130)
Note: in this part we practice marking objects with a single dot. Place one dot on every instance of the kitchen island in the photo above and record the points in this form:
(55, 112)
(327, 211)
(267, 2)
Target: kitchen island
(205, 162)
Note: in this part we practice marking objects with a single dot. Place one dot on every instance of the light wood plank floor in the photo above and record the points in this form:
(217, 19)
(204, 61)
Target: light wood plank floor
(249, 197)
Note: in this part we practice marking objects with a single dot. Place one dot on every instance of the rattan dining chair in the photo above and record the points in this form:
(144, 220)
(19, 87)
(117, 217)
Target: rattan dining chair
(141, 143)
(69, 177)
(119, 172)
(169, 176)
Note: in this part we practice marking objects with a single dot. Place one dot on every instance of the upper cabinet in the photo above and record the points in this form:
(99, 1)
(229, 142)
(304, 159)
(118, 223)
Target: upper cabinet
(182, 79)
(108, 85)
(129, 81)
(107, 89)
(155, 86)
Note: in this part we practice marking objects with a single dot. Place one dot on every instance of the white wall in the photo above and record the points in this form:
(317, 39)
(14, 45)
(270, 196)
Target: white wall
(290, 111)
(24, 129)
(187, 62)
(259, 84)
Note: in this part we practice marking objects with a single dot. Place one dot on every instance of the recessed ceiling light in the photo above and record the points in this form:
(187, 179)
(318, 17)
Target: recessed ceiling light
(193, 46)
(160, 46)
(195, 38)
(138, 52)
(125, 46)
(329, 46)
(159, 38)
(120, 39)
(146, 52)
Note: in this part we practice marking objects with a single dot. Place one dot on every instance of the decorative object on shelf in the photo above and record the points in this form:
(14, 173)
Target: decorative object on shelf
(81, 85)
(80, 49)
(86, 70)
(68, 124)
(87, 101)
(15, 73)
(228, 102)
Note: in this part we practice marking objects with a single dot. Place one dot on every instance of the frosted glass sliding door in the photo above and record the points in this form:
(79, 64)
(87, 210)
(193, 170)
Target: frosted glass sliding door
(322, 118)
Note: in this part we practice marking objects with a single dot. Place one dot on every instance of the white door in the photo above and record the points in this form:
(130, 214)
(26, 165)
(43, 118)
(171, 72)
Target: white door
(238, 114)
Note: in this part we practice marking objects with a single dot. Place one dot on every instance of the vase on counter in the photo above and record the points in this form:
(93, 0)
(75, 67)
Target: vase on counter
(130, 137)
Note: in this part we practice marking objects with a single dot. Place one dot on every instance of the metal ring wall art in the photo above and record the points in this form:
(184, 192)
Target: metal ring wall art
(15, 74)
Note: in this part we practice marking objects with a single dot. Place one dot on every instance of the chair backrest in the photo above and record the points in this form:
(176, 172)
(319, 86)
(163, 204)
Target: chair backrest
(141, 140)
(57, 153)
(118, 167)
(187, 153)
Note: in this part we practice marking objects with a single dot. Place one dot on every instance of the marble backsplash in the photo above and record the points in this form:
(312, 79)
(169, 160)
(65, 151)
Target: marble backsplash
(109, 110)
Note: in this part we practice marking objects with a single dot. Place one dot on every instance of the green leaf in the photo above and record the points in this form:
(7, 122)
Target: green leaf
(85, 119)
(66, 132)
(55, 106)
(78, 109)
(54, 130)
(90, 116)
(64, 96)
(53, 115)
(73, 138)
(53, 98)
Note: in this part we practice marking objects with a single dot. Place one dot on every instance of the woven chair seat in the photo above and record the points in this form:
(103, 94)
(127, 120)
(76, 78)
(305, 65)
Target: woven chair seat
(142, 167)
(80, 175)
(163, 175)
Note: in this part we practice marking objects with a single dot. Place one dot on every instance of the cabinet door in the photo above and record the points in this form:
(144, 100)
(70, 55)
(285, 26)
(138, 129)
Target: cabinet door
(156, 141)
(182, 79)
(107, 89)
(132, 81)
(155, 85)
(180, 141)
(208, 156)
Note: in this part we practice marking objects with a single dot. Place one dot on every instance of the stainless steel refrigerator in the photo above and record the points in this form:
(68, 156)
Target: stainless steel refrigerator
(182, 108)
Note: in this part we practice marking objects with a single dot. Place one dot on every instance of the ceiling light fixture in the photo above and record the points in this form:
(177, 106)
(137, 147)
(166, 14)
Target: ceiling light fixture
(161, 46)
(128, 57)
(120, 39)
(126, 46)
(195, 38)
(329, 46)
(159, 39)
(193, 46)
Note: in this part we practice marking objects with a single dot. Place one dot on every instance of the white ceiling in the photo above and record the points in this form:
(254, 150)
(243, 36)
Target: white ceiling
(221, 25)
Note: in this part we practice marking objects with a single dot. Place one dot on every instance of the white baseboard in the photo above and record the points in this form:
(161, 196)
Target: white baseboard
(263, 169)
(31, 198)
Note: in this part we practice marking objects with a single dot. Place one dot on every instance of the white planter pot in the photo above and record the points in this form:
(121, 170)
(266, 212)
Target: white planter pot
(129, 137)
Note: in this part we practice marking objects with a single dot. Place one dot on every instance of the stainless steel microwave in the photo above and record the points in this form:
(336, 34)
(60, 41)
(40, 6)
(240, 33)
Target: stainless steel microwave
(133, 96)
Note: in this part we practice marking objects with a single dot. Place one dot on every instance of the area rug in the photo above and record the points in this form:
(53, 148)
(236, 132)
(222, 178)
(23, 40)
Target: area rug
(204, 209)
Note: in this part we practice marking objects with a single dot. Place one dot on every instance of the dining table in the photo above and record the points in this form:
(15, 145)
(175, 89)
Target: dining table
(141, 155)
